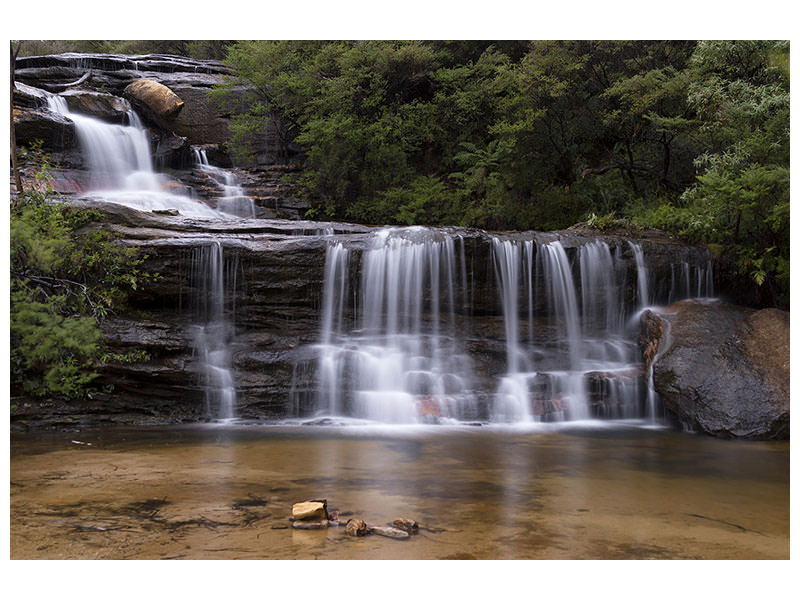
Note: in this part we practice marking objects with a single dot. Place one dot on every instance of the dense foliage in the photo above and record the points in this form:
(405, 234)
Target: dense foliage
(62, 284)
(690, 137)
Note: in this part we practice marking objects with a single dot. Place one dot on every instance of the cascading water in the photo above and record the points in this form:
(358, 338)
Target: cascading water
(550, 383)
(641, 275)
(691, 281)
(121, 169)
(212, 278)
(398, 358)
(233, 201)
(120, 163)
(390, 349)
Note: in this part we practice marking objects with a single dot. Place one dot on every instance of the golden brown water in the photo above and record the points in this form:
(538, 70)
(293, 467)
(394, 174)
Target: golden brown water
(226, 492)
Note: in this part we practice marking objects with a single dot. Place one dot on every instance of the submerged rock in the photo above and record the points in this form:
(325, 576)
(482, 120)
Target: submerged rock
(722, 369)
(323, 524)
(408, 525)
(390, 532)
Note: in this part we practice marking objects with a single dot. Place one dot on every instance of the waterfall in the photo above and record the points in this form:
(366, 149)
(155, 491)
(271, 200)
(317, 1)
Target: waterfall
(508, 264)
(334, 296)
(556, 391)
(233, 201)
(684, 284)
(641, 274)
(600, 305)
(394, 323)
(120, 163)
(213, 277)
(396, 358)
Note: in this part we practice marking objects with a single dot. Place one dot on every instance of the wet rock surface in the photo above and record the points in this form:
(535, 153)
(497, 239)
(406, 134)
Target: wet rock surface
(275, 305)
(101, 105)
(724, 369)
(200, 119)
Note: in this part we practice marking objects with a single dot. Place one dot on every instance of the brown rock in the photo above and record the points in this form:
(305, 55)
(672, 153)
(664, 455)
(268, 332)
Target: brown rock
(55, 131)
(408, 525)
(155, 98)
(310, 510)
(356, 528)
(723, 369)
(96, 104)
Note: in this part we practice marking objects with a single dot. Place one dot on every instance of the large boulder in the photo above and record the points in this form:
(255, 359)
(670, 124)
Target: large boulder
(154, 99)
(720, 368)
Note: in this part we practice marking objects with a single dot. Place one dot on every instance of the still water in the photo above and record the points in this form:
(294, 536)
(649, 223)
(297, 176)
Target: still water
(614, 490)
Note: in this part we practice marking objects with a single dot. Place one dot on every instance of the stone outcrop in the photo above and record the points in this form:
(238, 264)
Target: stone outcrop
(200, 120)
(54, 131)
(107, 107)
(722, 369)
(277, 297)
(156, 86)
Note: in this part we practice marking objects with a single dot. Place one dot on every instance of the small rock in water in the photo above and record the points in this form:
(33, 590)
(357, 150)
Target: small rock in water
(356, 528)
(391, 532)
(323, 524)
(170, 212)
(410, 526)
(311, 510)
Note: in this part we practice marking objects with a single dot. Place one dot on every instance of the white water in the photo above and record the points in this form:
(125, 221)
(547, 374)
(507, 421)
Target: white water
(641, 275)
(691, 281)
(213, 277)
(390, 350)
(233, 201)
(580, 359)
(397, 358)
(120, 164)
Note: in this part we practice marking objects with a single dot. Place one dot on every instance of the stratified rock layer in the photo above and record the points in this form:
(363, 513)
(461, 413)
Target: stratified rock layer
(723, 369)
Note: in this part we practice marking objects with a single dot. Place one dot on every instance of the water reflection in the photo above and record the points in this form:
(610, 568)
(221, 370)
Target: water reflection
(484, 492)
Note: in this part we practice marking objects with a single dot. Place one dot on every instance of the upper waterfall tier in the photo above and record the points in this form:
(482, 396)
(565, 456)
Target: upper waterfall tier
(121, 164)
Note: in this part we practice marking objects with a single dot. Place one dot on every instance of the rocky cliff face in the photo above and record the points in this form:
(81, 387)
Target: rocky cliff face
(201, 122)
(276, 309)
(722, 369)
(276, 267)
(194, 121)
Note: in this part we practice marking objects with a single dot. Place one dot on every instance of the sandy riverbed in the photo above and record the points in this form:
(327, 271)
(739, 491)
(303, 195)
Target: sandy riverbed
(226, 492)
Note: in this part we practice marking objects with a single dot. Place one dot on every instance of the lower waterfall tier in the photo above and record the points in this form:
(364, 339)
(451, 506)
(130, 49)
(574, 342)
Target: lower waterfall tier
(410, 325)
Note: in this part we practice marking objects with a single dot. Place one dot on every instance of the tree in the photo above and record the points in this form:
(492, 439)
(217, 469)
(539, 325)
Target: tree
(63, 283)
(740, 199)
